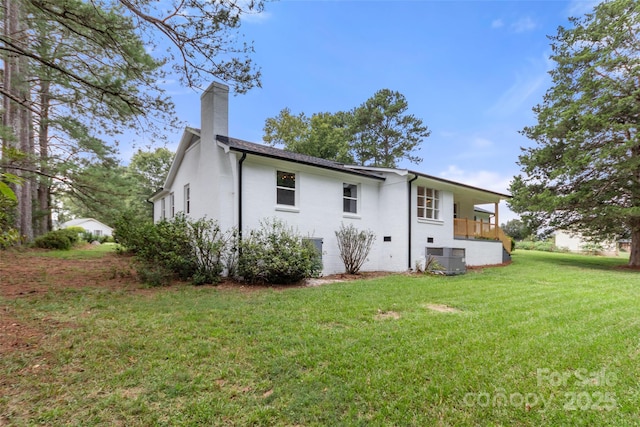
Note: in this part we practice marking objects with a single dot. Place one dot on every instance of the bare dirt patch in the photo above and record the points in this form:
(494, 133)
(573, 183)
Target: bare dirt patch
(442, 308)
(16, 335)
(24, 274)
(387, 315)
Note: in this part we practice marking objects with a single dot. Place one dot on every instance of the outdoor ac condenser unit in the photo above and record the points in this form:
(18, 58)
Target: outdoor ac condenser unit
(452, 260)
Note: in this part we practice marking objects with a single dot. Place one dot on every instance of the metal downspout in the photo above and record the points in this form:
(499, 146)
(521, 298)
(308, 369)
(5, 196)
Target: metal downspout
(244, 156)
(409, 218)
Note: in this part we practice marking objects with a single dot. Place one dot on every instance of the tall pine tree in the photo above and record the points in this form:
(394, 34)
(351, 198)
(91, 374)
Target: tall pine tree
(79, 70)
(584, 173)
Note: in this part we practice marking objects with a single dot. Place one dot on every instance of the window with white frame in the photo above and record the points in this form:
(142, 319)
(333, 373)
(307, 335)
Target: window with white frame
(187, 199)
(349, 198)
(428, 203)
(286, 188)
(163, 211)
(172, 205)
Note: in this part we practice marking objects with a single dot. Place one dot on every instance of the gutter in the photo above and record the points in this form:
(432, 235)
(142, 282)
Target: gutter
(415, 176)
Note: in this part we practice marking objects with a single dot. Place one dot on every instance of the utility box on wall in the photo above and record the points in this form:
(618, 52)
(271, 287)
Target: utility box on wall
(317, 243)
(452, 260)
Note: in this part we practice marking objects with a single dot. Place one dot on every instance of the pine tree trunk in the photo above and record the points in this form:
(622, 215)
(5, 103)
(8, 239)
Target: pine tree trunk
(44, 188)
(634, 255)
(17, 117)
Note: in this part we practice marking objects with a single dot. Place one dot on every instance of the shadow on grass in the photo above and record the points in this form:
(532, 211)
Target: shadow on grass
(592, 262)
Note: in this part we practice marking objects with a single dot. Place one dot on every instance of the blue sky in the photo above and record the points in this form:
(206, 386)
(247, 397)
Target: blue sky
(471, 70)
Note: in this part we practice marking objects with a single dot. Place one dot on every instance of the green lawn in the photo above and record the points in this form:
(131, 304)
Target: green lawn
(553, 339)
(85, 251)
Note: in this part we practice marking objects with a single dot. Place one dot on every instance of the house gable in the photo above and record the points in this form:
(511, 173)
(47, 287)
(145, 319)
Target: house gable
(190, 137)
(89, 224)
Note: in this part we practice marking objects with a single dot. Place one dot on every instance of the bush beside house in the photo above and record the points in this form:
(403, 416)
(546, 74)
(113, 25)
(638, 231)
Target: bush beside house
(197, 250)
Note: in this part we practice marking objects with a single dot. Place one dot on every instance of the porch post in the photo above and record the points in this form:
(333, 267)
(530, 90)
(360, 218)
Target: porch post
(496, 217)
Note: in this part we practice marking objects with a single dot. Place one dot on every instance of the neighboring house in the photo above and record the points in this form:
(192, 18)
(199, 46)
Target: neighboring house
(575, 242)
(93, 226)
(240, 183)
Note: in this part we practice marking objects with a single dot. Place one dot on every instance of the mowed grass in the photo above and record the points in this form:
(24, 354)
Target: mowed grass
(553, 339)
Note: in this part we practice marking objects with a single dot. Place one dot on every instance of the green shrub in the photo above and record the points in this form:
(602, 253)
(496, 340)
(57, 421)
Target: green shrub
(209, 245)
(88, 236)
(537, 245)
(592, 248)
(129, 231)
(162, 248)
(74, 233)
(232, 253)
(9, 236)
(57, 239)
(153, 275)
(180, 248)
(354, 246)
(277, 254)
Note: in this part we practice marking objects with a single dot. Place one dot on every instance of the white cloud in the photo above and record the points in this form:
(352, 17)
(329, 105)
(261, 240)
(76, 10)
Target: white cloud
(484, 179)
(578, 8)
(447, 133)
(497, 23)
(481, 142)
(528, 83)
(255, 17)
(524, 24)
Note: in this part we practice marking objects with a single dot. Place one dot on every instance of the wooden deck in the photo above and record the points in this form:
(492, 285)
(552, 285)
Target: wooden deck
(470, 229)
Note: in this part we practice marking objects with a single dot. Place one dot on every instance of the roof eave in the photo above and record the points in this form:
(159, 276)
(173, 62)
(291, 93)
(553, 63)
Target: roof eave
(303, 162)
(502, 196)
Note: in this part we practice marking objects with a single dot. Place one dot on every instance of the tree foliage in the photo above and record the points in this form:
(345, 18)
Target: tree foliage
(79, 72)
(323, 135)
(377, 133)
(584, 172)
(107, 189)
(382, 134)
(147, 171)
(516, 229)
(199, 38)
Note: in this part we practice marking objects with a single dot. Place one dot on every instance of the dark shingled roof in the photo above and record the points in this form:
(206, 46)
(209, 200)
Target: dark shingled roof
(276, 153)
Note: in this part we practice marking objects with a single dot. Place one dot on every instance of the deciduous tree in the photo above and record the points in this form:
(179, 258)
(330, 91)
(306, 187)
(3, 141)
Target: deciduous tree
(516, 229)
(377, 133)
(323, 135)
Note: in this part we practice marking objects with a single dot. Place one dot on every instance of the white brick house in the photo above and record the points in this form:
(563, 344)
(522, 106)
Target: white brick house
(240, 183)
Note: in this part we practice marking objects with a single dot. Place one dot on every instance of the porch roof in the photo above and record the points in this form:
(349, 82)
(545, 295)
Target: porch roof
(479, 195)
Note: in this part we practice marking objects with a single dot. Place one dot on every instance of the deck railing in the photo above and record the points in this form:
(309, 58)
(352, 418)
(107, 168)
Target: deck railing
(470, 229)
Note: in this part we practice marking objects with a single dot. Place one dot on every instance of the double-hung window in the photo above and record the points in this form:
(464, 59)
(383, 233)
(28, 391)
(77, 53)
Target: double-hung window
(172, 205)
(350, 198)
(163, 213)
(428, 203)
(187, 199)
(286, 188)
